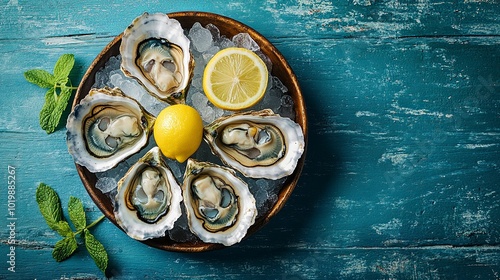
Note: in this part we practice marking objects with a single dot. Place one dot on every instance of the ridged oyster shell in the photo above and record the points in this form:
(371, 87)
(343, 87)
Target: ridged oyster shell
(105, 128)
(259, 144)
(219, 205)
(149, 198)
(156, 52)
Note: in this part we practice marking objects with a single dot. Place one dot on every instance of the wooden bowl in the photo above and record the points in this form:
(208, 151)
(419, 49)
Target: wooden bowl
(281, 69)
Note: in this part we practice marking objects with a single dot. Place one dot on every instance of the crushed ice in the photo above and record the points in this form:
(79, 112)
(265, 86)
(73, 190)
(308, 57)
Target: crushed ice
(205, 43)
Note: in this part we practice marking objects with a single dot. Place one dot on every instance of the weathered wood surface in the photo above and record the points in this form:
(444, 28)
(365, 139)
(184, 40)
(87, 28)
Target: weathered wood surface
(402, 170)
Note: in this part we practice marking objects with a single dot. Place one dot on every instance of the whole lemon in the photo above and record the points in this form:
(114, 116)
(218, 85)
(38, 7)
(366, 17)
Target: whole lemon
(178, 131)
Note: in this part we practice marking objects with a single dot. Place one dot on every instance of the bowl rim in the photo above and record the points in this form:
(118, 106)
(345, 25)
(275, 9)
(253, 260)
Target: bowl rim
(284, 72)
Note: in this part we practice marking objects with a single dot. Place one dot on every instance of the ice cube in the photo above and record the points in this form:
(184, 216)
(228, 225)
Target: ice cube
(156, 108)
(262, 184)
(286, 112)
(112, 196)
(208, 54)
(208, 115)
(243, 40)
(272, 99)
(286, 108)
(218, 112)
(189, 96)
(278, 84)
(261, 196)
(113, 62)
(286, 101)
(144, 98)
(266, 59)
(214, 31)
(102, 77)
(105, 184)
(224, 43)
(201, 38)
(196, 82)
(199, 67)
(116, 79)
(199, 100)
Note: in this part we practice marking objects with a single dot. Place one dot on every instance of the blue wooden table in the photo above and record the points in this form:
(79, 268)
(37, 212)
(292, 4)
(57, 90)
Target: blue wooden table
(402, 172)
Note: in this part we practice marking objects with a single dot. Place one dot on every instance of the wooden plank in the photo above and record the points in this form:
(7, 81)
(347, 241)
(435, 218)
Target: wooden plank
(359, 18)
(401, 175)
(288, 263)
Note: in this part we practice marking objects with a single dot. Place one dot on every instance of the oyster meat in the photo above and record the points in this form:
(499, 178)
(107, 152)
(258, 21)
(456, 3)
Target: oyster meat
(156, 52)
(105, 128)
(148, 201)
(259, 144)
(219, 205)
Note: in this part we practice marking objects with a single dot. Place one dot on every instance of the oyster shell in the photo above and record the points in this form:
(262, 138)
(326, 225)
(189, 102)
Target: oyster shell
(259, 144)
(156, 52)
(105, 128)
(219, 206)
(149, 198)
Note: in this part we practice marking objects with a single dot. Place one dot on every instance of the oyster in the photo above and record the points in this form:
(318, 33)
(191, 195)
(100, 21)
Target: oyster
(149, 198)
(219, 206)
(105, 128)
(156, 52)
(259, 144)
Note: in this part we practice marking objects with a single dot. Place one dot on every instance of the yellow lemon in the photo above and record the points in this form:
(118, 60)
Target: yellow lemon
(235, 79)
(178, 131)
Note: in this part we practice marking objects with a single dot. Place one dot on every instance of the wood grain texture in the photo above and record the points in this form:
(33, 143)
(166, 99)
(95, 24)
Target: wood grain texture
(402, 170)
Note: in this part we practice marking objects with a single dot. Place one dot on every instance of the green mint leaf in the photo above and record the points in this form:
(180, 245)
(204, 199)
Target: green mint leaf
(50, 205)
(64, 97)
(47, 121)
(64, 229)
(96, 251)
(64, 248)
(53, 108)
(55, 103)
(40, 78)
(77, 213)
(64, 82)
(63, 67)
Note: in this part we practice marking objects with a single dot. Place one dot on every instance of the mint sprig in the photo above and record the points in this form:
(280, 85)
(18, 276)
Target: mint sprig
(50, 207)
(59, 90)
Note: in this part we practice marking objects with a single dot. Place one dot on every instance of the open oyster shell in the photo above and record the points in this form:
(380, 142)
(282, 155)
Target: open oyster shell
(219, 205)
(259, 144)
(156, 52)
(149, 198)
(105, 128)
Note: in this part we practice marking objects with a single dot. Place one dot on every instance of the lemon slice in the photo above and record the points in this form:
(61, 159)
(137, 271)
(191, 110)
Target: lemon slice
(235, 79)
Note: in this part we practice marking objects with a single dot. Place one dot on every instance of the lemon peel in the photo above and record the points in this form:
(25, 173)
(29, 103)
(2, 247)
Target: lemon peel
(178, 131)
